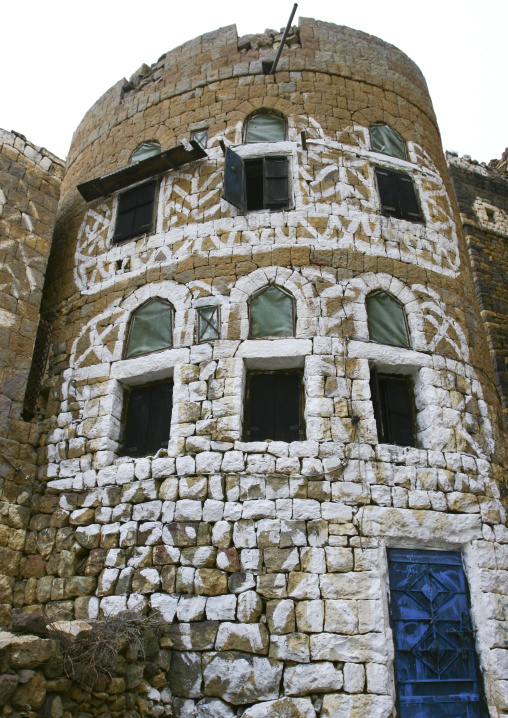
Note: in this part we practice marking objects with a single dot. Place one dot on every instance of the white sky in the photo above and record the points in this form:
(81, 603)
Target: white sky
(58, 57)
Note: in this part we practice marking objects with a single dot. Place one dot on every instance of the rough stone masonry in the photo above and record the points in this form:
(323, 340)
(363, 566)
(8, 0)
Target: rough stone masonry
(270, 563)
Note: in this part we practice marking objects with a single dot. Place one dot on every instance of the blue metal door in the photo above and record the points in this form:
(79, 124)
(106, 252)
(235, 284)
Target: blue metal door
(436, 665)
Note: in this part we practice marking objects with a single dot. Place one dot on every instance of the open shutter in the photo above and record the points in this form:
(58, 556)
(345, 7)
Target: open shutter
(408, 200)
(387, 184)
(275, 182)
(376, 403)
(397, 397)
(436, 666)
(234, 180)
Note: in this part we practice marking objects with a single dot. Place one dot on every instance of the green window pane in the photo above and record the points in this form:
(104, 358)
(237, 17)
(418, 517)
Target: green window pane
(387, 141)
(145, 150)
(271, 314)
(151, 329)
(387, 323)
(208, 324)
(265, 128)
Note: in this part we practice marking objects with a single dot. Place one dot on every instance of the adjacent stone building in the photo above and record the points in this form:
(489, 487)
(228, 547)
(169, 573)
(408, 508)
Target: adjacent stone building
(270, 414)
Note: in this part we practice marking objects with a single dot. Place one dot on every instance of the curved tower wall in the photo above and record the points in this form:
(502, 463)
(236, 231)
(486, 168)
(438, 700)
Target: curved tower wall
(244, 545)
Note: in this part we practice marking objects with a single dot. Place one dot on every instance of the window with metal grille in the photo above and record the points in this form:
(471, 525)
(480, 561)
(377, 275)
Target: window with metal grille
(201, 137)
(253, 184)
(274, 406)
(148, 418)
(135, 211)
(151, 328)
(436, 665)
(37, 369)
(385, 139)
(393, 402)
(208, 324)
(387, 320)
(265, 128)
(272, 313)
(398, 195)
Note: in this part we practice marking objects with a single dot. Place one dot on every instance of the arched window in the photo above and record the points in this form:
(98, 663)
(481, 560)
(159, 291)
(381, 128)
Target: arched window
(144, 151)
(151, 328)
(272, 313)
(386, 140)
(387, 320)
(265, 128)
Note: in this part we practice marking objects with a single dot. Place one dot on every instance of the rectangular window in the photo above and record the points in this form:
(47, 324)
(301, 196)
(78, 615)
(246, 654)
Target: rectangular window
(148, 419)
(135, 211)
(392, 398)
(274, 407)
(398, 195)
(436, 666)
(208, 324)
(253, 184)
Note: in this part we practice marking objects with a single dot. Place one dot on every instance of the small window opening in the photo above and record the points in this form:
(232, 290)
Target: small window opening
(144, 151)
(265, 128)
(491, 215)
(387, 320)
(148, 418)
(272, 313)
(135, 212)
(398, 195)
(267, 67)
(393, 402)
(201, 137)
(208, 324)
(274, 407)
(386, 140)
(151, 328)
(254, 184)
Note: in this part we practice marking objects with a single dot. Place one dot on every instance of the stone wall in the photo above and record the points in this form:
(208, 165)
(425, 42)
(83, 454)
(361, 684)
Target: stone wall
(267, 560)
(482, 194)
(30, 180)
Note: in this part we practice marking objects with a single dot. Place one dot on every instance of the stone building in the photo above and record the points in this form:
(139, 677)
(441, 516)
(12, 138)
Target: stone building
(269, 411)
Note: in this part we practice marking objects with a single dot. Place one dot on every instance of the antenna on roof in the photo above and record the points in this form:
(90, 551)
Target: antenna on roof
(274, 66)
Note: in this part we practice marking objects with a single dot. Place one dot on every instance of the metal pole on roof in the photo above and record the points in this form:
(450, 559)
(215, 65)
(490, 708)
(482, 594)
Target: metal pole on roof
(286, 31)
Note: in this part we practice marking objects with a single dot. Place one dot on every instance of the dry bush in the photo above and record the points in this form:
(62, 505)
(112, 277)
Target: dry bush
(90, 657)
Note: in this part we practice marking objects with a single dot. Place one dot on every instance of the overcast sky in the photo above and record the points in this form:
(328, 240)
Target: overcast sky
(58, 57)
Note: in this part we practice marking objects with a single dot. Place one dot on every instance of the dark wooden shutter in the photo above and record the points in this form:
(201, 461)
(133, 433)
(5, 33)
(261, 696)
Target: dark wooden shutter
(275, 182)
(234, 180)
(410, 208)
(274, 407)
(397, 409)
(436, 665)
(148, 419)
(398, 195)
(135, 212)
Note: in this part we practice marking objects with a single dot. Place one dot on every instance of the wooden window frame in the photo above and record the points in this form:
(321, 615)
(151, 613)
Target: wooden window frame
(137, 233)
(396, 212)
(248, 401)
(127, 397)
(385, 124)
(293, 310)
(131, 322)
(235, 190)
(381, 410)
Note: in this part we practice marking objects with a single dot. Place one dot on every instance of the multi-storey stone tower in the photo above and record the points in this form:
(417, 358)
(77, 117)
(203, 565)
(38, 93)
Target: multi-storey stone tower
(272, 414)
